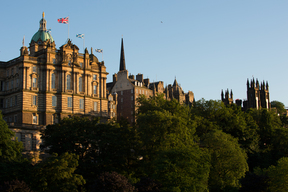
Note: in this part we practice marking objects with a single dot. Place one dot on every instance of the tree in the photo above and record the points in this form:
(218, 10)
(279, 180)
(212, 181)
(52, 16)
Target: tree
(278, 176)
(183, 169)
(10, 150)
(57, 174)
(15, 186)
(111, 182)
(280, 107)
(163, 124)
(101, 147)
(214, 115)
(147, 184)
(228, 160)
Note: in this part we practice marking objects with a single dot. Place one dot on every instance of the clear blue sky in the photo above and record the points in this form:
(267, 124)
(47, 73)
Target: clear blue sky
(207, 45)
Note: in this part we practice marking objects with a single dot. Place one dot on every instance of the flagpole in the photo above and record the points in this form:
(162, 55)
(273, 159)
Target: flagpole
(83, 43)
(68, 26)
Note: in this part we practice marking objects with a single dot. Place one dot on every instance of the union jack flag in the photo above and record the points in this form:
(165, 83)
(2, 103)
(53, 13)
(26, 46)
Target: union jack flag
(63, 20)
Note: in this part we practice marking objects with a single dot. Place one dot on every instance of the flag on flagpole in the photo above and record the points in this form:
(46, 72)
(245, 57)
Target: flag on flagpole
(99, 50)
(63, 20)
(49, 30)
(80, 36)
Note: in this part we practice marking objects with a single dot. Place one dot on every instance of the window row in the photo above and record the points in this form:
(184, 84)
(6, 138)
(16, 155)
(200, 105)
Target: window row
(9, 102)
(9, 84)
(69, 102)
(11, 71)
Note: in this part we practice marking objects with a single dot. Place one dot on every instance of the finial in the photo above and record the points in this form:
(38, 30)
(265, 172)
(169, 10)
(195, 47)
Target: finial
(43, 15)
(91, 50)
(23, 41)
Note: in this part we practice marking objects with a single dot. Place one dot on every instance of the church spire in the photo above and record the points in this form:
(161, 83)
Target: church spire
(122, 58)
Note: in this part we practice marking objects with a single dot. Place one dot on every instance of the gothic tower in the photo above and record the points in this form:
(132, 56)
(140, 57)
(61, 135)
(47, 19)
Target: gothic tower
(257, 96)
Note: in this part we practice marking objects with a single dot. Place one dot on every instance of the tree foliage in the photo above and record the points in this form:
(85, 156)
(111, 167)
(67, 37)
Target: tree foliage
(111, 182)
(278, 176)
(228, 160)
(57, 174)
(280, 107)
(10, 150)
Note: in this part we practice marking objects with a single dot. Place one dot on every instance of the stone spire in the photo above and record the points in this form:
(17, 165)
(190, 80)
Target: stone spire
(122, 58)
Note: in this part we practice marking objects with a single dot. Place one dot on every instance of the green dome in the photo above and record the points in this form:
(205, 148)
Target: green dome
(43, 35)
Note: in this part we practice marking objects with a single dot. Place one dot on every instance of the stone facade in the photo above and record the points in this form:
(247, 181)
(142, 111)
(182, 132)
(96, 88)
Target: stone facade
(45, 84)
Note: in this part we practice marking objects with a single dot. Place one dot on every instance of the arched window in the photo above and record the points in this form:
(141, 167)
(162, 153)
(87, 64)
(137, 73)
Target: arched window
(53, 83)
(68, 82)
(80, 84)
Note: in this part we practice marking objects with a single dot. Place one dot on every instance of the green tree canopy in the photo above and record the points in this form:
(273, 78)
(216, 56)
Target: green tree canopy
(184, 169)
(10, 150)
(278, 176)
(280, 107)
(228, 160)
(57, 174)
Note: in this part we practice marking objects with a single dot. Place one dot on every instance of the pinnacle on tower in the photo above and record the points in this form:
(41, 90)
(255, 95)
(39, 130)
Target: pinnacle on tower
(122, 58)
(231, 94)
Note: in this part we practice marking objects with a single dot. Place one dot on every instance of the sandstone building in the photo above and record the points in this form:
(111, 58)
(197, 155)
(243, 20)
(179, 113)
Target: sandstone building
(45, 84)
(128, 88)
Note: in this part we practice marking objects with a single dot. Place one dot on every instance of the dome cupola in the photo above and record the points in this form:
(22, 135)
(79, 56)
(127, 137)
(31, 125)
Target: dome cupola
(42, 34)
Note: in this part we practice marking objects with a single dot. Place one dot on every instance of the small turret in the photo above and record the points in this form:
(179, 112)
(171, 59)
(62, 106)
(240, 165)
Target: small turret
(231, 94)
(222, 95)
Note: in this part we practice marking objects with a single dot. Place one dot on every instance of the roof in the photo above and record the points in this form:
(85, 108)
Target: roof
(42, 34)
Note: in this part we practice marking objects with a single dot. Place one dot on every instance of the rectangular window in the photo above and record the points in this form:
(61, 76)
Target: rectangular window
(81, 103)
(15, 100)
(95, 89)
(1, 103)
(54, 61)
(15, 118)
(7, 86)
(34, 69)
(2, 86)
(131, 98)
(81, 65)
(34, 119)
(121, 92)
(69, 102)
(122, 100)
(34, 100)
(54, 101)
(94, 77)
(12, 84)
(34, 82)
(7, 73)
(95, 106)
(6, 103)
(131, 90)
(17, 83)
